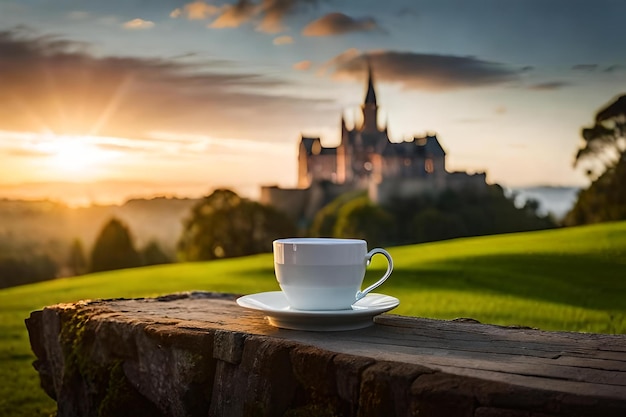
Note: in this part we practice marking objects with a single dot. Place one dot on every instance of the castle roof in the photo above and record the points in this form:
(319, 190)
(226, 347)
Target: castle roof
(427, 146)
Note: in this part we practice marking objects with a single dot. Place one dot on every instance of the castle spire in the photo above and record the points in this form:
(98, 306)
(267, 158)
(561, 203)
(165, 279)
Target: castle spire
(370, 107)
(370, 97)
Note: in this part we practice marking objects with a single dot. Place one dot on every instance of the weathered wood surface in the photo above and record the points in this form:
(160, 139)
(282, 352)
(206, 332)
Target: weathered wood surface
(201, 354)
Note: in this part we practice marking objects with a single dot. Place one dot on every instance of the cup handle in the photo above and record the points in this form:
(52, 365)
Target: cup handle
(375, 285)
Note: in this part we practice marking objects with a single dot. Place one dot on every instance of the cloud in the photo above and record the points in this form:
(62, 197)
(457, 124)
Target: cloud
(233, 15)
(339, 23)
(268, 15)
(585, 67)
(138, 24)
(273, 12)
(54, 85)
(197, 10)
(594, 67)
(24, 153)
(549, 86)
(336, 63)
(302, 65)
(419, 71)
(283, 40)
(613, 68)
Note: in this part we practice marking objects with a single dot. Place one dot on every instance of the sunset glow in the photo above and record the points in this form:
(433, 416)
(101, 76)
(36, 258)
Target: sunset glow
(176, 93)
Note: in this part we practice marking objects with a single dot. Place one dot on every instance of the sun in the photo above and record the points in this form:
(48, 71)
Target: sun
(76, 154)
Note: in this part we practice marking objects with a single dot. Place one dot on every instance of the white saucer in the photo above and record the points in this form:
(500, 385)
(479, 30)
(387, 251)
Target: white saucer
(275, 306)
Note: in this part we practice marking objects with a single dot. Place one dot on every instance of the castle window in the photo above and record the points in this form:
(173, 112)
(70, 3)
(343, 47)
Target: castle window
(429, 166)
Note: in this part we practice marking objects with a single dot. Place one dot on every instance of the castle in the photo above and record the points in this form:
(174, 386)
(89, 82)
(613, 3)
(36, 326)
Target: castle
(366, 159)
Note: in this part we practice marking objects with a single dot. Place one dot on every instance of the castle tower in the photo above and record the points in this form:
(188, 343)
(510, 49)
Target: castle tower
(369, 107)
(343, 154)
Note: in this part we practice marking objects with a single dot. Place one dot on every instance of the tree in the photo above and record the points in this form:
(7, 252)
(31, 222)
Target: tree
(361, 219)
(114, 248)
(152, 254)
(604, 144)
(403, 210)
(225, 225)
(431, 224)
(76, 261)
(604, 200)
(325, 219)
(15, 270)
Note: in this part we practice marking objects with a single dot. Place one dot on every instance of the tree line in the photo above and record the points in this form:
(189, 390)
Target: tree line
(114, 249)
(224, 225)
(227, 225)
(428, 217)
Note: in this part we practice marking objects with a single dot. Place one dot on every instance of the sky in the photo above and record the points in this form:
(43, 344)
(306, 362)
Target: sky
(106, 100)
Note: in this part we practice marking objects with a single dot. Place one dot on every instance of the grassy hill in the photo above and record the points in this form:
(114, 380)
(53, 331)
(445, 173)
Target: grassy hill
(568, 279)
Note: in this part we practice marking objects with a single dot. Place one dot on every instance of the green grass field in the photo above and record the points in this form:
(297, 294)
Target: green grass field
(568, 279)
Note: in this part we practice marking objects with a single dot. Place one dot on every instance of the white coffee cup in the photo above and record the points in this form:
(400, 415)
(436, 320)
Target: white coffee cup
(324, 273)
